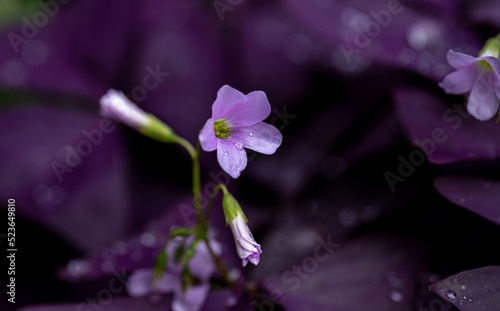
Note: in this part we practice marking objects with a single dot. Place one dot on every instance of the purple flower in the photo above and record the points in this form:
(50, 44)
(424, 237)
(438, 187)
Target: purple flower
(115, 105)
(236, 125)
(142, 283)
(479, 75)
(246, 247)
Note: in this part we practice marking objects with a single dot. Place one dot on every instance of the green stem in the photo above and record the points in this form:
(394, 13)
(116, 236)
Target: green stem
(218, 263)
(197, 186)
(208, 208)
(187, 145)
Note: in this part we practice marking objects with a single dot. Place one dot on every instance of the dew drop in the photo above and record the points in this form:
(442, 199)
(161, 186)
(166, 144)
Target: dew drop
(451, 294)
(225, 153)
(236, 167)
(251, 134)
(238, 145)
(396, 296)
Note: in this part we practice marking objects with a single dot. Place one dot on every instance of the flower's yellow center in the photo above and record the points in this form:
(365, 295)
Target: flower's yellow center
(222, 129)
(485, 66)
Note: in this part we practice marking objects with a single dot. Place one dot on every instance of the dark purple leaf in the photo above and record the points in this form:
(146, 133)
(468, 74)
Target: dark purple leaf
(398, 33)
(479, 195)
(66, 173)
(376, 273)
(472, 290)
(445, 131)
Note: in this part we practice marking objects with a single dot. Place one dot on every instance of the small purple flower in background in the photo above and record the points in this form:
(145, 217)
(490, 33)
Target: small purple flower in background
(236, 124)
(142, 282)
(115, 105)
(479, 75)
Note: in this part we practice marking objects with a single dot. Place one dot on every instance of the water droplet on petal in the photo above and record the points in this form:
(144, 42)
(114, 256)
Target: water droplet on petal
(236, 167)
(451, 294)
(251, 134)
(396, 296)
(238, 145)
(225, 153)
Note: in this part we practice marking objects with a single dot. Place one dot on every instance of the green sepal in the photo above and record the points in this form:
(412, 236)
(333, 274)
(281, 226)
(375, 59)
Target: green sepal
(189, 253)
(179, 251)
(186, 279)
(158, 130)
(231, 207)
(160, 264)
(491, 47)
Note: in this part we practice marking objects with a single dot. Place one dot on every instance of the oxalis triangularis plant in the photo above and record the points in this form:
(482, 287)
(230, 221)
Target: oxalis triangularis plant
(190, 255)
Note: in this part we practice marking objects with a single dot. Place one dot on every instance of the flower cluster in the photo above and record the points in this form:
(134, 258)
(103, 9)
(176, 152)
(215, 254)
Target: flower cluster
(236, 124)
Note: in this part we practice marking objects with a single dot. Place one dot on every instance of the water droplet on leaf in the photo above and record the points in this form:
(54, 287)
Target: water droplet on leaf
(451, 294)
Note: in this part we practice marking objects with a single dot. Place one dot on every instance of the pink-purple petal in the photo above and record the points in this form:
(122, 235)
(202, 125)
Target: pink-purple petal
(192, 299)
(458, 60)
(139, 283)
(240, 110)
(256, 109)
(231, 158)
(207, 138)
(261, 137)
(495, 79)
(460, 81)
(483, 101)
(227, 102)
